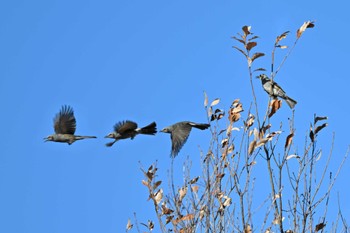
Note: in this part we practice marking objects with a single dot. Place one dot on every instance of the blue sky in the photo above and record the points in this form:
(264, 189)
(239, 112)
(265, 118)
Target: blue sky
(144, 61)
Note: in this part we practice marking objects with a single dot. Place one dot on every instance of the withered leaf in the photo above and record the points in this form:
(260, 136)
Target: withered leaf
(168, 219)
(301, 30)
(259, 69)
(248, 229)
(250, 121)
(150, 225)
(195, 188)
(282, 46)
(194, 180)
(275, 105)
(145, 183)
(311, 135)
(182, 192)
(262, 142)
(320, 226)
(224, 142)
(205, 99)
(240, 51)
(292, 156)
(281, 37)
(251, 147)
(253, 38)
(156, 184)
(246, 30)
(289, 140)
(215, 102)
(158, 196)
(250, 45)
(129, 225)
(166, 210)
(257, 55)
(231, 148)
(239, 40)
(320, 118)
(319, 128)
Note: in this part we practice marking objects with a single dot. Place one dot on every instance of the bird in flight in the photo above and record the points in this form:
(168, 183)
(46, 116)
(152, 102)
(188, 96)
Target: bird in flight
(64, 126)
(179, 133)
(129, 129)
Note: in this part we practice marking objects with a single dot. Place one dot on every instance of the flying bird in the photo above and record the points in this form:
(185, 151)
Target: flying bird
(274, 90)
(129, 129)
(65, 125)
(179, 133)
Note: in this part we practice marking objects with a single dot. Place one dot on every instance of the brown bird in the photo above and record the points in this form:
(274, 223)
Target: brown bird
(129, 129)
(179, 133)
(65, 125)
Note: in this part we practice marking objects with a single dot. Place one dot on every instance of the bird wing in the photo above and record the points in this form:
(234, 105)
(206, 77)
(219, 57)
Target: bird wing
(277, 90)
(64, 121)
(125, 126)
(179, 137)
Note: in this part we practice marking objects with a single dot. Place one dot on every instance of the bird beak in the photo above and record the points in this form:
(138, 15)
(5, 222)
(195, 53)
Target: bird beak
(46, 139)
(162, 130)
(108, 136)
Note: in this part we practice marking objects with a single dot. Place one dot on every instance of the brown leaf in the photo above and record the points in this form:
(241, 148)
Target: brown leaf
(155, 186)
(250, 45)
(166, 210)
(182, 193)
(129, 225)
(292, 156)
(224, 142)
(319, 128)
(289, 140)
(145, 183)
(168, 219)
(240, 51)
(158, 196)
(262, 142)
(215, 102)
(246, 30)
(250, 121)
(263, 130)
(281, 37)
(259, 69)
(239, 40)
(194, 180)
(320, 226)
(253, 38)
(257, 55)
(195, 188)
(248, 229)
(251, 147)
(301, 30)
(311, 135)
(320, 118)
(275, 105)
(282, 46)
(205, 99)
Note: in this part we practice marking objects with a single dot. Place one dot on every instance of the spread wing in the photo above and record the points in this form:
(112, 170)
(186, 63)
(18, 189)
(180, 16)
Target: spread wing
(179, 137)
(64, 121)
(125, 126)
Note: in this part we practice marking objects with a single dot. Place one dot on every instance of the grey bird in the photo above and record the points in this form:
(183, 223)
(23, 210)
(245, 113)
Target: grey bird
(179, 133)
(274, 90)
(65, 125)
(129, 129)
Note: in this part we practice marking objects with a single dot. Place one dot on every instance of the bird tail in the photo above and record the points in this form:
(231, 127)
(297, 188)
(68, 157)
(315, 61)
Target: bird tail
(150, 129)
(83, 137)
(200, 126)
(291, 103)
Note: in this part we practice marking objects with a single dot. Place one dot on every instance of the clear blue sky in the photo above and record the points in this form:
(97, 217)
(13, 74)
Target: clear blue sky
(144, 61)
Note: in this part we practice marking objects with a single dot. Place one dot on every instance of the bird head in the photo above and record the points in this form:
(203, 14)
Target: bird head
(111, 135)
(166, 130)
(262, 76)
(49, 138)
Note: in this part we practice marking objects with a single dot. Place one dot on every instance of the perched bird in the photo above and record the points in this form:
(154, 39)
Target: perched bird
(179, 133)
(65, 125)
(274, 90)
(128, 129)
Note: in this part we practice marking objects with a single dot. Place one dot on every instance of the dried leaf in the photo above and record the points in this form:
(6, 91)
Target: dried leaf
(195, 188)
(289, 140)
(301, 30)
(129, 225)
(240, 51)
(263, 130)
(224, 142)
(275, 105)
(259, 69)
(292, 156)
(257, 55)
(194, 180)
(248, 229)
(251, 147)
(156, 184)
(145, 183)
(311, 135)
(168, 219)
(262, 142)
(320, 226)
(282, 46)
(182, 193)
(205, 99)
(210, 111)
(250, 121)
(250, 45)
(150, 225)
(253, 38)
(320, 118)
(231, 148)
(215, 102)
(158, 196)
(319, 128)
(246, 30)
(227, 202)
(166, 210)
(281, 37)
(239, 40)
